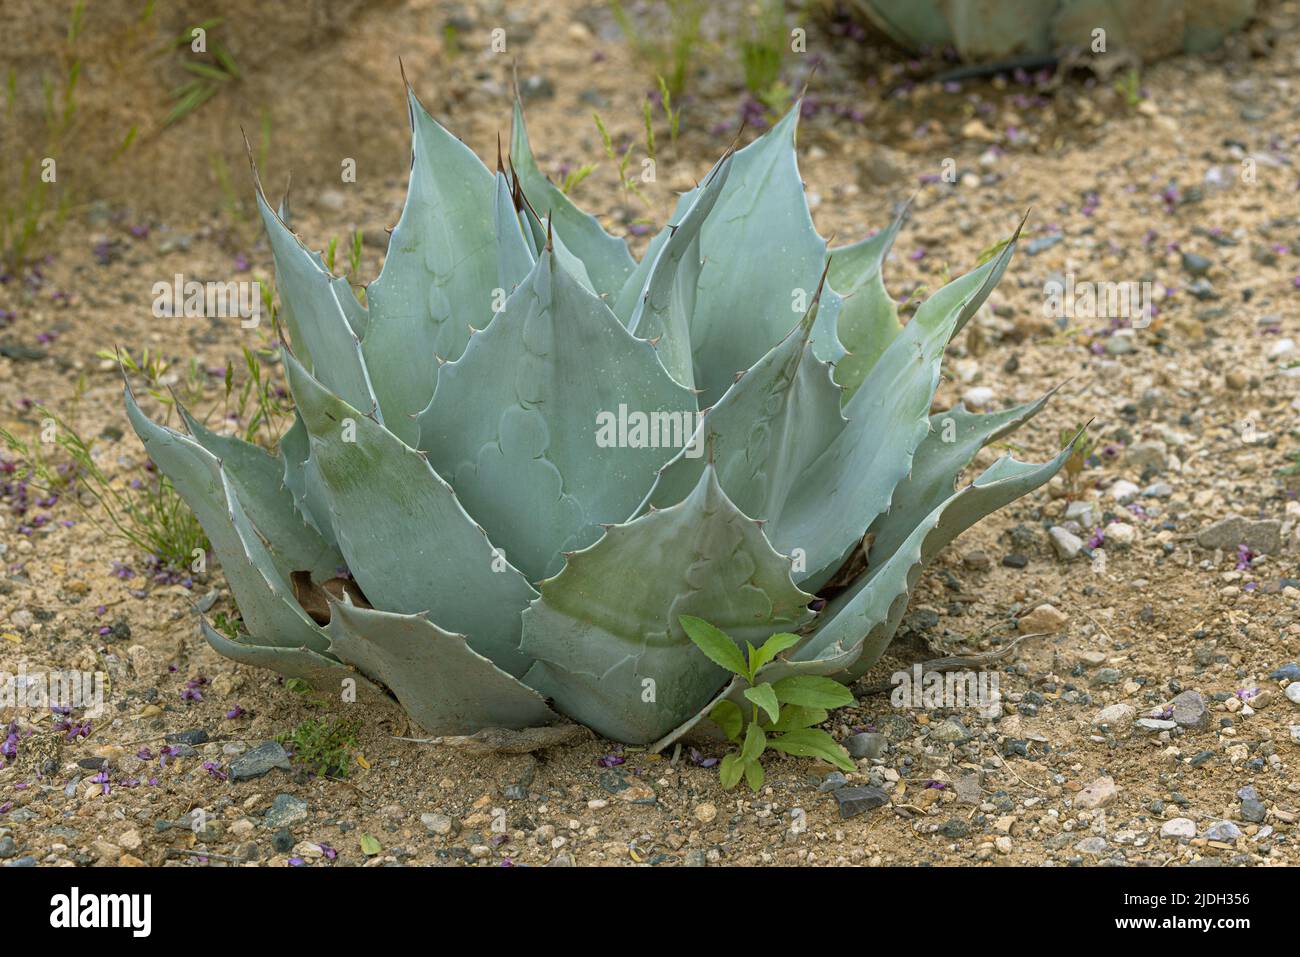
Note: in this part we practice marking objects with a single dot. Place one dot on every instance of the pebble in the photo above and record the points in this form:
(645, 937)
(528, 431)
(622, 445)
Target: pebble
(1092, 845)
(854, 801)
(1178, 827)
(978, 397)
(1106, 676)
(1253, 811)
(259, 760)
(1263, 536)
(1293, 692)
(285, 810)
(1097, 794)
(1067, 544)
(1015, 560)
(1222, 831)
(865, 745)
(439, 824)
(1288, 672)
(1120, 535)
(1116, 716)
(1155, 724)
(706, 813)
(1191, 710)
(1045, 618)
(1085, 513)
(1124, 491)
(8, 848)
(1195, 265)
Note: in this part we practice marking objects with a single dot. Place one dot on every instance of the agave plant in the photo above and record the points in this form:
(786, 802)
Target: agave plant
(533, 455)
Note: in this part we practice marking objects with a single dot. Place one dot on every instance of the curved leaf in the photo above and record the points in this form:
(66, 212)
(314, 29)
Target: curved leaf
(607, 259)
(258, 478)
(445, 685)
(409, 544)
(609, 622)
(438, 276)
(525, 425)
(265, 598)
(853, 480)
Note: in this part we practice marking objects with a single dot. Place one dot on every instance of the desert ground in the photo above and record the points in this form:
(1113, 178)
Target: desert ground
(1157, 722)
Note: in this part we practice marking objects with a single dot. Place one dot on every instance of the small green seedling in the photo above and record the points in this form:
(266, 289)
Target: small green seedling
(782, 713)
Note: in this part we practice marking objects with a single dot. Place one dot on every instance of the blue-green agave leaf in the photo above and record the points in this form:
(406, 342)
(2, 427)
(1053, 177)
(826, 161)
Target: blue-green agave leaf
(955, 438)
(446, 686)
(264, 596)
(312, 309)
(525, 424)
(761, 259)
(438, 276)
(765, 433)
(868, 319)
(408, 543)
(607, 260)
(302, 479)
(853, 480)
(667, 305)
(258, 478)
(855, 626)
(611, 651)
(321, 671)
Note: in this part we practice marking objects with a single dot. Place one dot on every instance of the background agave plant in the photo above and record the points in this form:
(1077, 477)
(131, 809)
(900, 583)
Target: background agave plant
(505, 564)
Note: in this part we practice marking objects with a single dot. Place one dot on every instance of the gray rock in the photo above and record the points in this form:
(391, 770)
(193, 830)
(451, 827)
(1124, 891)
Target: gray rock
(8, 848)
(1222, 831)
(260, 760)
(1288, 672)
(1178, 827)
(1085, 513)
(1195, 265)
(439, 824)
(1106, 676)
(1253, 811)
(1158, 490)
(1263, 536)
(866, 745)
(1067, 544)
(954, 827)
(1293, 692)
(856, 800)
(1191, 710)
(1092, 845)
(285, 810)
(1116, 716)
(197, 736)
(282, 841)
(1155, 724)
(833, 782)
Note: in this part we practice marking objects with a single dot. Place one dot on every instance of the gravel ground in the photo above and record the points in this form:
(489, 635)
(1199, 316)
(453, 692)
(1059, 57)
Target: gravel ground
(1158, 721)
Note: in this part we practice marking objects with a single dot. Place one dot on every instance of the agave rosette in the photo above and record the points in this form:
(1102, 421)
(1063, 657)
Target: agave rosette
(451, 450)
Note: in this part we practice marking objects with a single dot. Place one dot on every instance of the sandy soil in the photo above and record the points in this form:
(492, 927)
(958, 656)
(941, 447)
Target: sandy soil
(1202, 403)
